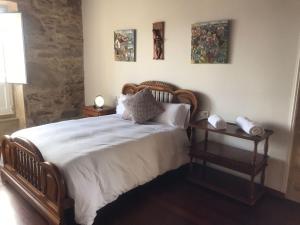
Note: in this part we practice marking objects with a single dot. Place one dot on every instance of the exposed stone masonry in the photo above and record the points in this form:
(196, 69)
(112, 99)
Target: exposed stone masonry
(54, 58)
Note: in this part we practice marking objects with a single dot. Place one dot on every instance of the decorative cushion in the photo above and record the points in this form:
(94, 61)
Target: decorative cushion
(142, 106)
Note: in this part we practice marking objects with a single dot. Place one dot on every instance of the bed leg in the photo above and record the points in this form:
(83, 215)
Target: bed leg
(52, 223)
(2, 179)
(60, 222)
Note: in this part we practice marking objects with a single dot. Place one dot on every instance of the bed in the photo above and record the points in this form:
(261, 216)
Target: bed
(51, 176)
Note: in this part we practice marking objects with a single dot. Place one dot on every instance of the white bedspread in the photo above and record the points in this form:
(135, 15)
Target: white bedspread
(103, 157)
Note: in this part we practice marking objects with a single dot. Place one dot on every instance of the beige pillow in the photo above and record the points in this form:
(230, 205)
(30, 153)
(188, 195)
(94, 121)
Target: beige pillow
(142, 106)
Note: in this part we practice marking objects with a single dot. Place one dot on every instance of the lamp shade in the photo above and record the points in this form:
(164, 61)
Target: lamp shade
(12, 58)
(99, 101)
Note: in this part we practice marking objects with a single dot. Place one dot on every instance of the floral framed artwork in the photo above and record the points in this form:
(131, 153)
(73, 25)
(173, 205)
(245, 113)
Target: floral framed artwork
(124, 45)
(210, 42)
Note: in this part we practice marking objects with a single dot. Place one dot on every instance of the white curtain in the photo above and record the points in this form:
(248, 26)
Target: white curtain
(12, 60)
(6, 95)
(6, 99)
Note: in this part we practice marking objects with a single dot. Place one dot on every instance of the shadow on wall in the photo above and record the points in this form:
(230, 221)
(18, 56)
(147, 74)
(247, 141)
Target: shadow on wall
(281, 139)
(204, 103)
(293, 191)
(231, 41)
(8, 126)
(275, 172)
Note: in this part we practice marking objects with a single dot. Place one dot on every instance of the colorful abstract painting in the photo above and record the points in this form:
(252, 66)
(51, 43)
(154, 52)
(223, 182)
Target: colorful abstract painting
(124, 44)
(210, 42)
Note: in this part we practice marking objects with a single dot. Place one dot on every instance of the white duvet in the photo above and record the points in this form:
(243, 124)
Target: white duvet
(103, 157)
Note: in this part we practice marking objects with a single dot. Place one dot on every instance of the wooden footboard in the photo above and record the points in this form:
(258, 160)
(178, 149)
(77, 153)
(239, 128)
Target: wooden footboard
(40, 182)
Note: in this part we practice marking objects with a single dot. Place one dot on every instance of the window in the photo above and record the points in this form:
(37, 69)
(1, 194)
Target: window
(12, 61)
(6, 99)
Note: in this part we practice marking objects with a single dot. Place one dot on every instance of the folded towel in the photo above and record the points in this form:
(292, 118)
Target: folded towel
(217, 122)
(249, 126)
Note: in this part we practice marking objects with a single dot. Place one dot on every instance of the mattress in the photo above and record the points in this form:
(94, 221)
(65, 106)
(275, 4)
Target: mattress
(103, 157)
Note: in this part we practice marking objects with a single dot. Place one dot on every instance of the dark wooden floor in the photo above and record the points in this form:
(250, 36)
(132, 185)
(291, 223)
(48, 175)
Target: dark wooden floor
(169, 200)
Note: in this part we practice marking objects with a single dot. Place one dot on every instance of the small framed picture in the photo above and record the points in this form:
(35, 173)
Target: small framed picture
(124, 45)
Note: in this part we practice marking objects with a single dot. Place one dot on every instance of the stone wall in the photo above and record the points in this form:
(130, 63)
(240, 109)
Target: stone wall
(54, 56)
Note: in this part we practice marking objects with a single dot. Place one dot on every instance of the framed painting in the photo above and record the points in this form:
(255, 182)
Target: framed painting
(124, 45)
(210, 42)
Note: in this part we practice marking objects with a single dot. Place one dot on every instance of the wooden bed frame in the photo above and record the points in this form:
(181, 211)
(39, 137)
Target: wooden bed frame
(41, 182)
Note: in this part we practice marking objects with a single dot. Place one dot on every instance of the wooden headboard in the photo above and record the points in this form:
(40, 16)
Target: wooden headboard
(165, 92)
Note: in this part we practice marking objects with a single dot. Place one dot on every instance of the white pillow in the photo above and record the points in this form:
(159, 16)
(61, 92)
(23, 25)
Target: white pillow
(120, 109)
(120, 106)
(176, 115)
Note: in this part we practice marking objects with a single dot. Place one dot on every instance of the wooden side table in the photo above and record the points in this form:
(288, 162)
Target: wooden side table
(251, 163)
(90, 111)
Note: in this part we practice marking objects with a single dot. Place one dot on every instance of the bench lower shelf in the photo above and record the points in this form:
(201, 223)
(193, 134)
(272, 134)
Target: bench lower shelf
(224, 183)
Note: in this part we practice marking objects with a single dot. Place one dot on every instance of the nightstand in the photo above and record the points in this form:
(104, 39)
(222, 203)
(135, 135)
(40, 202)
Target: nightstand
(90, 111)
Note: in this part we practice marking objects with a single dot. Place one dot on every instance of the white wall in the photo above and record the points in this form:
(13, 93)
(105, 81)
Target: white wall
(258, 82)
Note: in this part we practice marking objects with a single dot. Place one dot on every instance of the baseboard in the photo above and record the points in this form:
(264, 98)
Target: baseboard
(275, 193)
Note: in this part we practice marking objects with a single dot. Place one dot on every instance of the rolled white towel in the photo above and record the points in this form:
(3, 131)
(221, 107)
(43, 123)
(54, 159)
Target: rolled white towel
(217, 122)
(249, 126)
